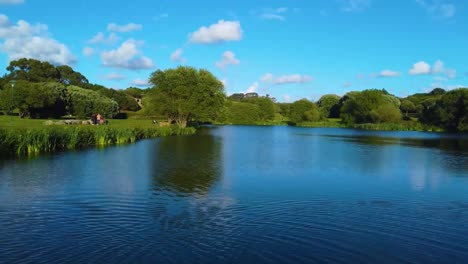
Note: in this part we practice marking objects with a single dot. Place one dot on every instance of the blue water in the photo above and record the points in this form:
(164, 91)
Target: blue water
(240, 194)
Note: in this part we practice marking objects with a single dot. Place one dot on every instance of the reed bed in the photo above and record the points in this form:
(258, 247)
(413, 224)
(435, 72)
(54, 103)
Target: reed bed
(32, 141)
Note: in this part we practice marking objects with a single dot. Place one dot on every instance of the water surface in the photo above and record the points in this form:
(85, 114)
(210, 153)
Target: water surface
(239, 194)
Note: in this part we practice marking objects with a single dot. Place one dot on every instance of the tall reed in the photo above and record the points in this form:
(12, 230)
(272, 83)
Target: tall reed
(31, 141)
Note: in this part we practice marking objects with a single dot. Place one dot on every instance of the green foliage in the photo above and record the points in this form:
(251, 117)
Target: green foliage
(369, 106)
(242, 113)
(125, 101)
(19, 141)
(34, 99)
(265, 105)
(135, 92)
(303, 110)
(83, 103)
(407, 106)
(449, 112)
(70, 77)
(329, 105)
(185, 93)
(32, 70)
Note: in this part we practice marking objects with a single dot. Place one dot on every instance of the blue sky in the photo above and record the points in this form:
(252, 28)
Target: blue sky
(289, 49)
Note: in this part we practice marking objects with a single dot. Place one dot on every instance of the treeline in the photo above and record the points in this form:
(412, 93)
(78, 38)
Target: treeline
(40, 90)
(439, 108)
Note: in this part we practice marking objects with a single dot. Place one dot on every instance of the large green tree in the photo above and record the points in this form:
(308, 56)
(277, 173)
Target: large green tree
(185, 93)
(32, 70)
(303, 110)
(370, 106)
(329, 105)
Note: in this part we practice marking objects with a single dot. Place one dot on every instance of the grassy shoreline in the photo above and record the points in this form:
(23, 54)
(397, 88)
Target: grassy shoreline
(32, 137)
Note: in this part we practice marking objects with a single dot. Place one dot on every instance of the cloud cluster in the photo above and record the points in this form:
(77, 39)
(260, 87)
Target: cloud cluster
(274, 13)
(285, 79)
(11, 2)
(228, 58)
(177, 56)
(127, 56)
(222, 31)
(114, 76)
(100, 38)
(423, 68)
(88, 51)
(388, 74)
(352, 6)
(437, 8)
(140, 83)
(124, 28)
(23, 40)
(252, 88)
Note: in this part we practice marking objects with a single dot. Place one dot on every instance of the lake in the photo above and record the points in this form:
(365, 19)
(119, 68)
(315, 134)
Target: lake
(240, 194)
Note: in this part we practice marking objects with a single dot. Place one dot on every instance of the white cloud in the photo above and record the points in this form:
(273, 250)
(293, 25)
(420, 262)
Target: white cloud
(127, 56)
(100, 38)
(224, 82)
(286, 79)
(388, 74)
(124, 28)
(252, 88)
(274, 13)
(11, 2)
(177, 56)
(228, 58)
(438, 67)
(287, 98)
(437, 8)
(352, 6)
(88, 51)
(220, 32)
(140, 82)
(22, 40)
(420, 68)
(347, 84)
(451, 73)
(114, 76)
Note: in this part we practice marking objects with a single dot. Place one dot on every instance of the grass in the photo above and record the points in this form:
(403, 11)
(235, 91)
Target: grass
(30, 136)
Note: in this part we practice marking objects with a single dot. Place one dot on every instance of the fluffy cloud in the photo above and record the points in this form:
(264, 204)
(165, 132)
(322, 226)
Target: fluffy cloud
(114, 76)
(285, 79)
(177, 56)
(274, 13)
(388, 74)
(228, 58)
(88, 51)
(355, 5)
(140, 83)
(22, 40)
(220, 32)
(252, 88)
(11, 2)
(437, 8)
(100, 38)
(438, 68)
(124, 28)
(347, 84)
(420, 68)
(127, 56)
(287, 98)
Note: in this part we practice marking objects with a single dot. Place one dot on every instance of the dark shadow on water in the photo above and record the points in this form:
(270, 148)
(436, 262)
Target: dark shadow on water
(454, 144)
(187, 165)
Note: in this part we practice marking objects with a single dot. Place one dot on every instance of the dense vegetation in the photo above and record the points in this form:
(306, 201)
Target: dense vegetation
(40, 90)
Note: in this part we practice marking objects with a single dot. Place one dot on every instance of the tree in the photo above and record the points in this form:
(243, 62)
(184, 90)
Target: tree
(32, 70)
(303, 110)
(407, 107)
(449, 112)
(34, 99)
(329, 105)
(70, 77)
(369, 106)
(185, 94)
(83, 103)
(265, 105)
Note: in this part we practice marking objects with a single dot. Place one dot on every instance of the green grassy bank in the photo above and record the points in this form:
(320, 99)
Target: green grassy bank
(31, 137)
